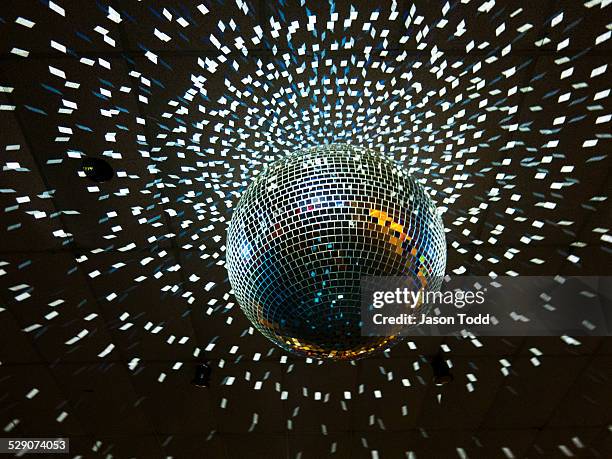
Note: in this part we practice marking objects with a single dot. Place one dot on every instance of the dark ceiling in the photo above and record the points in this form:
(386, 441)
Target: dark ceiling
(111, 293)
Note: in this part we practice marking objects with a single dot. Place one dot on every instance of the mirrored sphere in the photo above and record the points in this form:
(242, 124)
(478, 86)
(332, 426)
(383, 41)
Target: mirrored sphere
(309, 227)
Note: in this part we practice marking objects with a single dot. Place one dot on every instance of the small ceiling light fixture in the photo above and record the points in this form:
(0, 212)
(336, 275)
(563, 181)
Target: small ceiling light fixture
(202, 375)
(441, 371)
(97, 169)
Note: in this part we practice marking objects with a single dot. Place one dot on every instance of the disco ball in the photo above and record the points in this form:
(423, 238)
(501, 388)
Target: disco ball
(309, 227)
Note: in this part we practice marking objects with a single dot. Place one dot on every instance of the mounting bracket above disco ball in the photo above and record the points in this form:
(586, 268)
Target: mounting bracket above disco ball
(309, 227)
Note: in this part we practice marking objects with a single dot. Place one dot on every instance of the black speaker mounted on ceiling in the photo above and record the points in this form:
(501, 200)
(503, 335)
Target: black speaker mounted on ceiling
(441, 371)
(97, 169)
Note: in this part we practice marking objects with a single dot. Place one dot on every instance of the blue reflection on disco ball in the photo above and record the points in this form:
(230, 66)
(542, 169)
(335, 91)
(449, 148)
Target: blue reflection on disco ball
(309, 227)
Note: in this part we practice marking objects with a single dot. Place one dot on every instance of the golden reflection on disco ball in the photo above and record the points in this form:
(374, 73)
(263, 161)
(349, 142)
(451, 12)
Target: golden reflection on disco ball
(309, 227)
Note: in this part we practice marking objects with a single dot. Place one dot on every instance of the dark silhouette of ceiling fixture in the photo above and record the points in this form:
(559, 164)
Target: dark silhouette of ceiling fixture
(202, 375)
(97, 169)
(441, 372)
